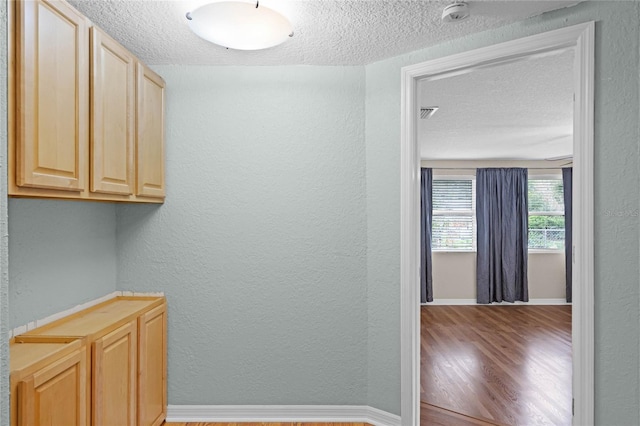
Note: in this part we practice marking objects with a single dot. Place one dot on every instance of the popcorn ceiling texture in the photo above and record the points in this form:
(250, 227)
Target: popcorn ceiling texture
(326, 32)
(504, 118)
(260, 246)
(616, 190)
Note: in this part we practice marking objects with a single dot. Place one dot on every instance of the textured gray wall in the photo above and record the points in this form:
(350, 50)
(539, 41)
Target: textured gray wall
(261, 244)
(62, 253)
(616, 190)
(266, 307)
(4, 262)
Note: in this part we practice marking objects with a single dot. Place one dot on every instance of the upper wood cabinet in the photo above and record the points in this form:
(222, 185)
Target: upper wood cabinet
(86, 118)
(150, 133)
(112, 115)
(52, 95)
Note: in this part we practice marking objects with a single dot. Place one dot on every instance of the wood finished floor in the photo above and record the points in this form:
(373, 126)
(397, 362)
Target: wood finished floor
(508, 365)
(437, 416)
(266, 424)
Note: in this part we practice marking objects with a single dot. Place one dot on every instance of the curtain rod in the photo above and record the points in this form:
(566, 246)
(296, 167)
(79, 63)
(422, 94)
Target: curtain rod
(475, 168)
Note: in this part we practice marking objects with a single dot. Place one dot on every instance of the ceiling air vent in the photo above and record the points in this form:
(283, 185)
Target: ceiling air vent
(427, 112)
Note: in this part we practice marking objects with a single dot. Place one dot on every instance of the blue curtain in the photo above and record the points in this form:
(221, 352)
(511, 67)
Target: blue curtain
(426, 213)
(567, 184)
(502, 216)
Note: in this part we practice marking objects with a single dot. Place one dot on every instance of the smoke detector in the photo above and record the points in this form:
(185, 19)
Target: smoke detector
(455, 12)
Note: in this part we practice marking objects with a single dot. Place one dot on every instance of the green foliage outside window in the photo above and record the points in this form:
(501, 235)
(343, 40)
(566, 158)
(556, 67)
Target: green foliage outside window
(546, 228)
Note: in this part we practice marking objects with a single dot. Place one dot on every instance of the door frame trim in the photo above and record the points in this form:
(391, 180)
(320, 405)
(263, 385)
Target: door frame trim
(581, 39)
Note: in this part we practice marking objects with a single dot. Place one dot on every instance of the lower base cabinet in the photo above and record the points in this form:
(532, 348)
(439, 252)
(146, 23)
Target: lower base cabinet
(48, 384)
(116, 377)
(114, 370)
(152, 371)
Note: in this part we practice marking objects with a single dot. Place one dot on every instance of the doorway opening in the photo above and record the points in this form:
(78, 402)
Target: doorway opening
(507, 361)
(580, 39)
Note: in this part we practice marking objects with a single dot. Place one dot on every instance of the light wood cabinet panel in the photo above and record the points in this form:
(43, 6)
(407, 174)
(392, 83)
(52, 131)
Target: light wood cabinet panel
(112, 115)
(114, 373)
(150, 133)
(86, 118)
(152, 367)
(52, 96)
(127, 362)
(54, 394)
(98, 320)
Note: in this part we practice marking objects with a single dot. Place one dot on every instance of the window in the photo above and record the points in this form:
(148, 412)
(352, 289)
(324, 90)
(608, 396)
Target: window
(454, 215)
(454, 222)
(546, 214)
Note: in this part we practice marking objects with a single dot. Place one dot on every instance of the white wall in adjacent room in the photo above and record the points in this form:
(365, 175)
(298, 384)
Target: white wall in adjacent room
(454, 275)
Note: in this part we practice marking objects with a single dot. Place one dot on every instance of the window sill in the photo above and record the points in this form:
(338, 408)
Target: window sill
(452, 251)
(545, 251)
(530, 251)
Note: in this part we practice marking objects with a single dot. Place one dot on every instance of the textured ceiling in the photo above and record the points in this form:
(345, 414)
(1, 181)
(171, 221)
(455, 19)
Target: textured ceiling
(520, 110)
(327, 32)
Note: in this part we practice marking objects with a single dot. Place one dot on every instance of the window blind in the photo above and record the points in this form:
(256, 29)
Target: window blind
(451, 195)
(453, 222)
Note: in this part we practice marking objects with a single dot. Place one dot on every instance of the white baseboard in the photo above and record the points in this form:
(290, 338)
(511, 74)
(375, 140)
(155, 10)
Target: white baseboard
(382, 418)
(281, 413)
(473, 302)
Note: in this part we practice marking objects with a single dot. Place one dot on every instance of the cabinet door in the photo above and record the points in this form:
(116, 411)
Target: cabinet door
(152, 367)
(52, 73)
(150, 134)
(114, 377)
(56, 395)
(112, 115)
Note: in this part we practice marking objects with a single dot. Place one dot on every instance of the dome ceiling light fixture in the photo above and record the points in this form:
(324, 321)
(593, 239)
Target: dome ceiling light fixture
(240, 25)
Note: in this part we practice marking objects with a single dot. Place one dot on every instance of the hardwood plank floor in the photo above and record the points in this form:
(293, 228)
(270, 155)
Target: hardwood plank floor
(437, 416)
(266, 424)
(507, 364)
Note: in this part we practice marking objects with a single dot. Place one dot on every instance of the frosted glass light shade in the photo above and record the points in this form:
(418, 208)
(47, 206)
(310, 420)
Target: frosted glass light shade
(239, 25)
